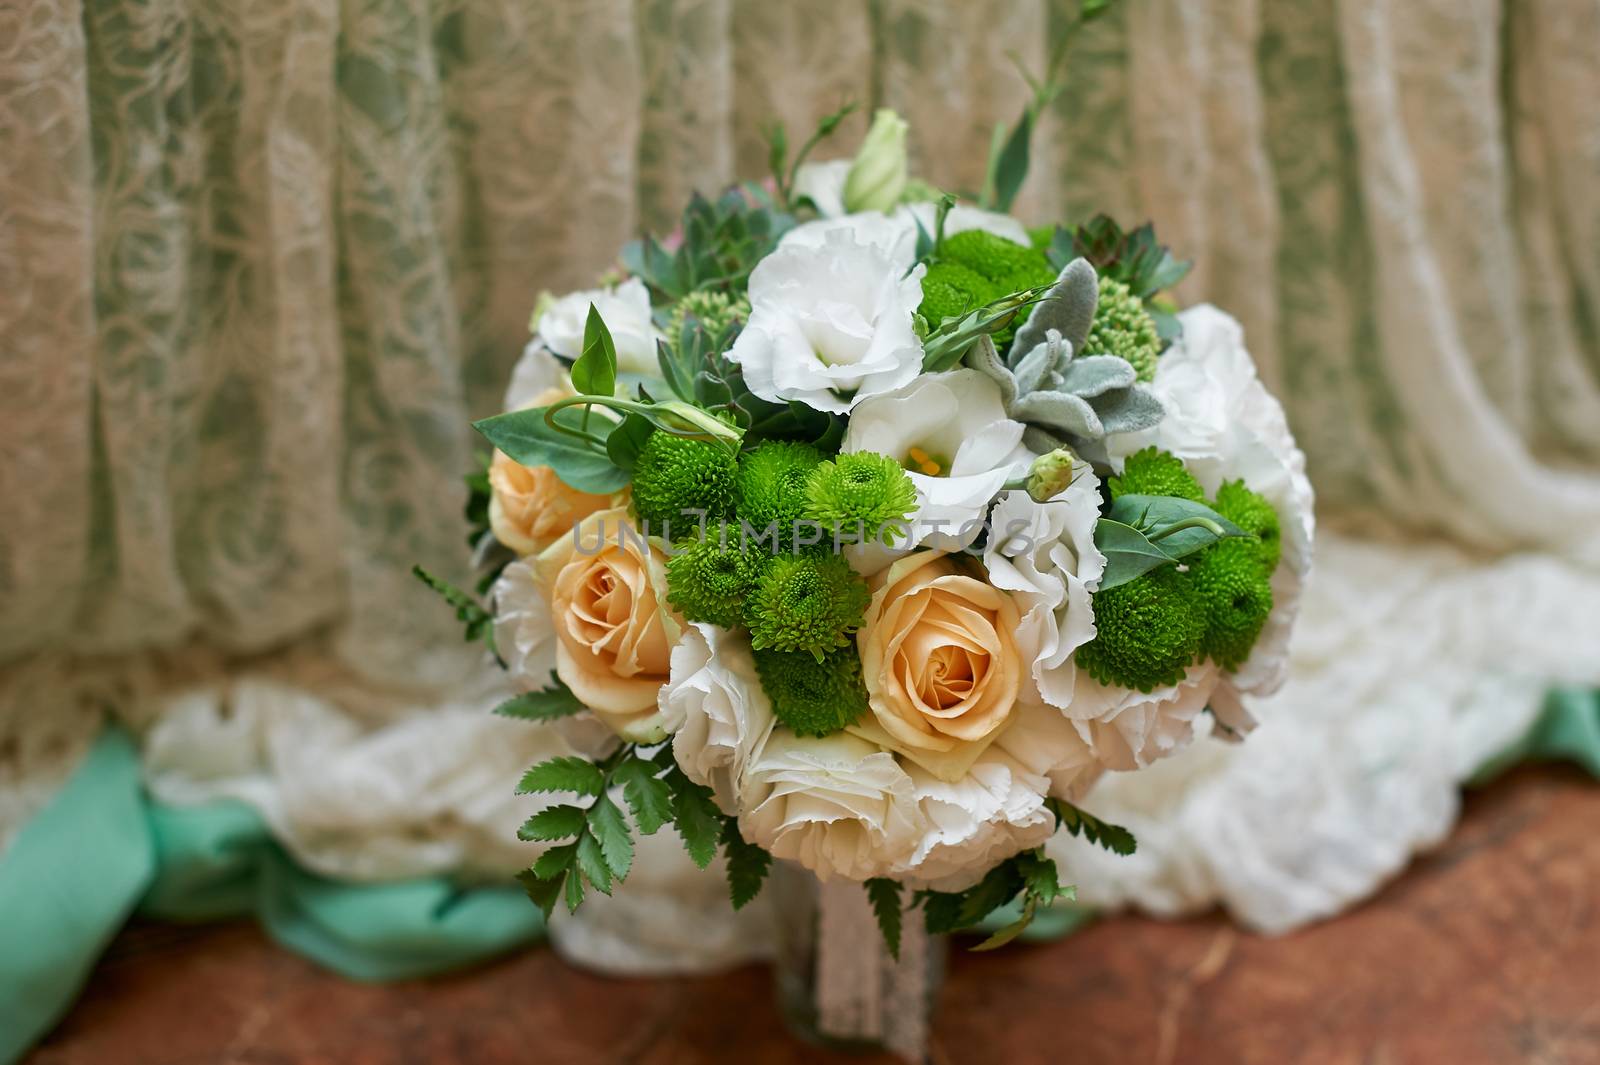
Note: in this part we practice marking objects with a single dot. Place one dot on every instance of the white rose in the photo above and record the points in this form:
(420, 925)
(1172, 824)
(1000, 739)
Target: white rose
(1044, 554)
(715, 708)
(1225, 425)
(996, 810)
(837, 805)
(830, 324)
(954, 423)
(626, 311)
(1130, 730)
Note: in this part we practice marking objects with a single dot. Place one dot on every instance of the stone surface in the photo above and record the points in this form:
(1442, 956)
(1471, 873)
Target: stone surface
(1487, 951)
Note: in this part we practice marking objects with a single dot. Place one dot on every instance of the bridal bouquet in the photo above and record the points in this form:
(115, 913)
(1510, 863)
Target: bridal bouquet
(860, 526)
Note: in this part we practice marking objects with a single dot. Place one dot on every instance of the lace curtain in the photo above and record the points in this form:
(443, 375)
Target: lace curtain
(259, 263)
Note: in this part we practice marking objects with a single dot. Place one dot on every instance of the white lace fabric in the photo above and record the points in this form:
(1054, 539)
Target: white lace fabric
(257, 273)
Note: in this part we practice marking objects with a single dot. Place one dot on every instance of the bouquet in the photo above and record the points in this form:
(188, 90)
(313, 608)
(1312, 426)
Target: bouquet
(858, 525)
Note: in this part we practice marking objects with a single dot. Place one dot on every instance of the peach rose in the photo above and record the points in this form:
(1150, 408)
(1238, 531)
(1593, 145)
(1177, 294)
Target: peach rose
(531, 507)
(614, 633)
(938, 654)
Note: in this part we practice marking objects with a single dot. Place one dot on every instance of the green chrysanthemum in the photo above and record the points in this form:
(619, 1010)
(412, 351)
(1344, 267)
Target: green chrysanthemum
(1153, 472)
(859, 493)
(814, 698)
(805, 603)
(1231, 580)
(975, 267)
(772, 485)
(1252, 513)
(711, 574)
(715, 311)
(1123, 328)
(1147, 631)
(676, 477)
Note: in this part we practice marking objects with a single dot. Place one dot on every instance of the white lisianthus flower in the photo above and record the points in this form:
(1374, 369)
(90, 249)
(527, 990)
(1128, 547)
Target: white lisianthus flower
(1224, 424)
(950, 431)
(830, 324)
(536, 373)
(840, 806)
(996, 810)
(896, 241)
(1127, 729)
(1044, 554)
(715, 708)
(1046, 743)
(823, 183)
(626, 311)
(524, 633)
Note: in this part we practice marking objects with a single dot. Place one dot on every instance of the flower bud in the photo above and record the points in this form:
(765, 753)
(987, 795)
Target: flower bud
(1051, 474)
(878, 175)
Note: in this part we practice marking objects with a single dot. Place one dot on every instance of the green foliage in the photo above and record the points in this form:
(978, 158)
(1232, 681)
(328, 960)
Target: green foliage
(884, 894)
(696, 817)
(648, 797)
(1113, 838)
(1029, 874)
(1231, 577)
(858, 494)
(595, 372)
(1140, 533)
(1153, 472)
(771, 484)
(477, 622)
(678, 479)
(814, 698)
(806, 603)
(1122, 328)
(1252, 513)
(1134, 258)
(554, 702)
(747, 864)
(722, 242)
(560, 441)
(563, 773)
(1147, 631)
(782, 168)
(711, 574)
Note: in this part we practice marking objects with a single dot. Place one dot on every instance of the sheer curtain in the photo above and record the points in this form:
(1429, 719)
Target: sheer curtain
(260, 263)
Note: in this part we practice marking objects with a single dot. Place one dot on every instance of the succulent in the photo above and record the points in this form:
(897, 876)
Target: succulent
(1066, 400)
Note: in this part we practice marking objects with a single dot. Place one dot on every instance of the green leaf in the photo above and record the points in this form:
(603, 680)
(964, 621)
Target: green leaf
(998, 887)
(556, 701)
(1039, 877)
(574, 892)
(555, 861)
(1128, 553)
(543, 892)
(566, 773)
(648, 797)
(747, 864)
(1012, 166)
(1113, 838)
(1010, 931)
(884, 894)
(1176, 527)
(627, 440)
(610, 829)
(554, 822)
(595, 372)
(591, 860)
(581, 463)
(695, 816)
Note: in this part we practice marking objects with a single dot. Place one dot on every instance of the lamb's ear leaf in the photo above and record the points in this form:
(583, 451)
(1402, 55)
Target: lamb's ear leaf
(1094, 375)
(1128, 410)
(1068, 308)
(1060, 411)
(983, 357)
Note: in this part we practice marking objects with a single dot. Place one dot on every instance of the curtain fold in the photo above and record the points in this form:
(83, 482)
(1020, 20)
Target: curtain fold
(260, 264)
